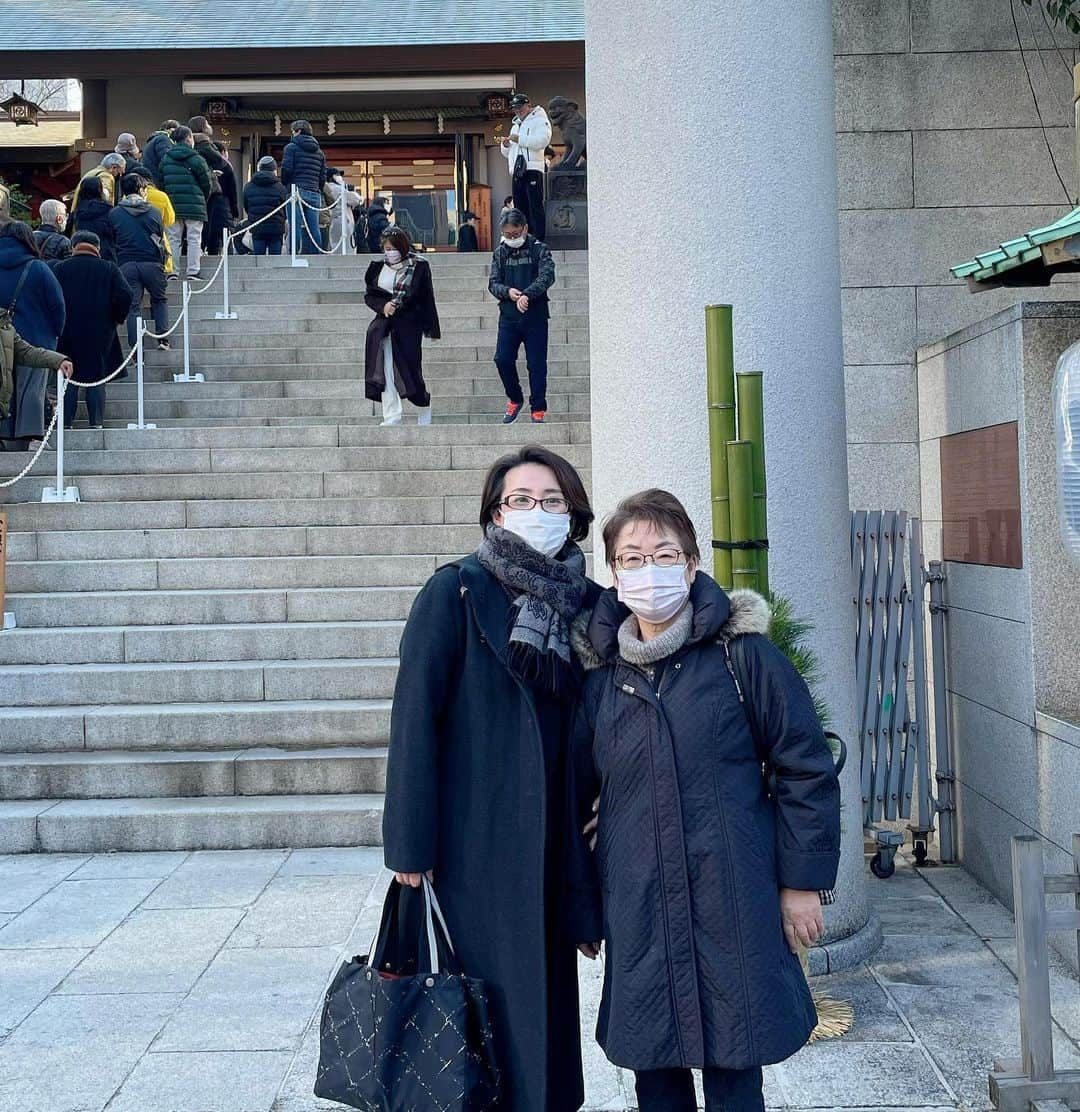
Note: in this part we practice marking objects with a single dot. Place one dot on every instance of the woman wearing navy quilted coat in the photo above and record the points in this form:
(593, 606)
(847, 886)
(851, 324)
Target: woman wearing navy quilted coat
(707, 874)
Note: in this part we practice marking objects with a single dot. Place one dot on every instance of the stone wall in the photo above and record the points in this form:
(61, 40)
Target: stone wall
(1011, 632)
(941, 156)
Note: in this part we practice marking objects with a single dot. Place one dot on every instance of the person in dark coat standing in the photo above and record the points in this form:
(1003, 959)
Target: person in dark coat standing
(467, 239)
(189, 184)
(155, 149)
(303, 164)
(30, 292)
(140, 251)
(50, 238)
(707, 875)
(218, 205)
(476, 766)
(262, 195)
(92, 215)
(400, 293)
(378, 220)
(98, 299)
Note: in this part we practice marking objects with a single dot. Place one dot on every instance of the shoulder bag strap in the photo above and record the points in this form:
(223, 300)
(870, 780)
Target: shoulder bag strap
(19, 286)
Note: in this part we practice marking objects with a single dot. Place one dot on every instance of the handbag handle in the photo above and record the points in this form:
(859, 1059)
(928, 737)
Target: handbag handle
(435, 923)
(431, 940)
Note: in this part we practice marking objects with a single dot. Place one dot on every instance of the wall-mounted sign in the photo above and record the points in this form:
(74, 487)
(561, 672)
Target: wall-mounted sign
(497, 106)
(980, 497)
(218, 109)
(86, 144)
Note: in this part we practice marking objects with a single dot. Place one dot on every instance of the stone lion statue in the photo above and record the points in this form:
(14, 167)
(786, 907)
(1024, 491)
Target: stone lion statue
(566, 117)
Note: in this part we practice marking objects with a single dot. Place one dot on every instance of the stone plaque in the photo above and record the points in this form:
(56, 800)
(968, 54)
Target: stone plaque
(980, 496)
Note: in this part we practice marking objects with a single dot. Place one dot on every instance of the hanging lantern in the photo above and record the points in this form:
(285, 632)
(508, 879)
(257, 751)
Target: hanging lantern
(331, 124)
(441, 124)
(277, 124)
(385, 124)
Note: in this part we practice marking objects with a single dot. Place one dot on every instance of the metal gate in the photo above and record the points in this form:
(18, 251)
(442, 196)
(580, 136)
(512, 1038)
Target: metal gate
(888, 591)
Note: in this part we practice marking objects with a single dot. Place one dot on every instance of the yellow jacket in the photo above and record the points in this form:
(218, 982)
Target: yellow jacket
(108, 185)
(160, 201)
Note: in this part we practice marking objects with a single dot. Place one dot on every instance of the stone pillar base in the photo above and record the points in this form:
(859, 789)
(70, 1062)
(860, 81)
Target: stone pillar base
(846, 953)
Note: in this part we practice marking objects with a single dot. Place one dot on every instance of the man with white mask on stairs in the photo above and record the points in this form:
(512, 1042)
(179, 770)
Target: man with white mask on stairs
(524, 147)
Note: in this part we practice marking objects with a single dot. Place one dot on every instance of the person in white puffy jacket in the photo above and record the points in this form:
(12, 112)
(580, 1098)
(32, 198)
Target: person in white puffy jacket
(529, 135)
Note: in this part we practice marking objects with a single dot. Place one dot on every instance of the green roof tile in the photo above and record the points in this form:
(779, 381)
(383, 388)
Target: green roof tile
(1019, 251)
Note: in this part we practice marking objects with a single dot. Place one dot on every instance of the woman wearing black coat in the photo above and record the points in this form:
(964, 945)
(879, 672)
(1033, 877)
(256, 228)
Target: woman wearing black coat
(92, 215)
(476, 766)
(707, 875)
(378, 220)
(400, 292)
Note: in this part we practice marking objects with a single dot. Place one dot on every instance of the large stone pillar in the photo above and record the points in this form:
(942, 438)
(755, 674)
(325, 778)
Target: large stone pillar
(712, 178)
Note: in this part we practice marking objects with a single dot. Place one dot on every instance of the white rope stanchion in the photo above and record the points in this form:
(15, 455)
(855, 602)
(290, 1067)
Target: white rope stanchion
(225, 314)
(140, 332)
(187, 376)
(294, 210)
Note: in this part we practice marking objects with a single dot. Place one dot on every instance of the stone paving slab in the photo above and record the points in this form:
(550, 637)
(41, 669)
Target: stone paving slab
(192, 982)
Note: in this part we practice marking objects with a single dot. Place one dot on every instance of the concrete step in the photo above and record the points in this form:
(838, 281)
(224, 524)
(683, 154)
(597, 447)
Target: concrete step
(437, 260)
(143, 644)
(45, 610)
(454, 317)
(204, 726)
(177, 774)
(280, 572)
(276, 304)
(214, 682)
(467, 347)
(264, 485)
(237, 822)
(239, 542)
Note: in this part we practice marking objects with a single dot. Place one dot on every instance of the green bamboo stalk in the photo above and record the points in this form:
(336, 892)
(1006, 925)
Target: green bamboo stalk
(740, 461)
(751, 413)
(720, 375)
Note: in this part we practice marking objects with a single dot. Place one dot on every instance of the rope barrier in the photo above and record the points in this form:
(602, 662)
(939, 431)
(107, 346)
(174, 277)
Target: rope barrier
(336, 248)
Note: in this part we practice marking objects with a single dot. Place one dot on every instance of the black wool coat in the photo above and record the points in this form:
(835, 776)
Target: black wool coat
(475, 791)
(98, 299)
(93, 216)
(692, 851)
(416, 317)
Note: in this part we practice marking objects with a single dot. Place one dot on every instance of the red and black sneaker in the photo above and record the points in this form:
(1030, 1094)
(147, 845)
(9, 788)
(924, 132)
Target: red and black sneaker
(538, 416)
(512, 411)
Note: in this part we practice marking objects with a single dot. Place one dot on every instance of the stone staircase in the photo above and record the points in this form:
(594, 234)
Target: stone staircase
(206, 643)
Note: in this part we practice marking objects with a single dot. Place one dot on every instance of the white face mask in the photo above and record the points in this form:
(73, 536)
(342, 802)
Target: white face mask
(654, 594)
(392, 255)
(546, 532)
(518, 241)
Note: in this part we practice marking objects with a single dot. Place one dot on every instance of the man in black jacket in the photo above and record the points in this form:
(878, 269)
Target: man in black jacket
(155, 149)
(304, 165)
(50, 238)
(522, 271)
(140, 251)
(262, 195)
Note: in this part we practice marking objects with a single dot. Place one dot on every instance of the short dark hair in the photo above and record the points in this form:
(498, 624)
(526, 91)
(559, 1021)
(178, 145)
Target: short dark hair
(515, 217)
(198, 124)
(169, 125)
(658, 508)
(91, 238)
(581, 512)
(508, 200)
(180, 134)
(91, 189)
(131, 183)
(398, 238)
(141, 171)
(219, 145)
(301, 126)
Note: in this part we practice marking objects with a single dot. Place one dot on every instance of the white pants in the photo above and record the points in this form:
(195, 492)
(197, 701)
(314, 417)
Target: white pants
(175, 232)
(392, 408)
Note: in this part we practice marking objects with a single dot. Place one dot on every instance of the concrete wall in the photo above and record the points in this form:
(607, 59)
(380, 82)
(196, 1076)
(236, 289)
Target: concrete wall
(940, 157)
(1012, 632)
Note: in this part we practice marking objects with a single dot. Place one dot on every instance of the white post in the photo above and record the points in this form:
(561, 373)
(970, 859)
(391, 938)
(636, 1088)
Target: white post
(60, 493)
(187, 376)
(295, 216)
(225, 314)
(140, 328)
(344, 218)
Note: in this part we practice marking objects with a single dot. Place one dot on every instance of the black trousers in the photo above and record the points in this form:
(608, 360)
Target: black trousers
(530, 329)
(725, 1090)
(529, 198)
(148, 277)
(95, 404)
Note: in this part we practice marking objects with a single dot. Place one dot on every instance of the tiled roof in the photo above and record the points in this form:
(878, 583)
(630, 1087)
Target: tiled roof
(48, 133)
(234, 24)
(1014, 253)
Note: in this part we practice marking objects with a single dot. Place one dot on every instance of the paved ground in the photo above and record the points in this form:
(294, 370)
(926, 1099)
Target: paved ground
(177, 982)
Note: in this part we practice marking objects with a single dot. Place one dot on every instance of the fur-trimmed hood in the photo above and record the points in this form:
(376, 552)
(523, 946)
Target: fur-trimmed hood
(718, 615)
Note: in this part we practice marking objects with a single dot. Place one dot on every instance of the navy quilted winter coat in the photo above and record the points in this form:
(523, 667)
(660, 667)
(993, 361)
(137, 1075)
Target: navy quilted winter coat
(691, 851)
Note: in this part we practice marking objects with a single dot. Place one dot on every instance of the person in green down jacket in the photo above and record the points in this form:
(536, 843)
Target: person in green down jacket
(14, 349)
(186, 179)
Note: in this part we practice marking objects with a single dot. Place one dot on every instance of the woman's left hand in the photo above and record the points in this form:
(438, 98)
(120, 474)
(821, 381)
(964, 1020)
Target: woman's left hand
(389, 309)
(800, 913)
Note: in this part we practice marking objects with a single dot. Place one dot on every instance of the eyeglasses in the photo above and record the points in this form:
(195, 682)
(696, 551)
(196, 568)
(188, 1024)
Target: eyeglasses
(553, 505)
(662, 558)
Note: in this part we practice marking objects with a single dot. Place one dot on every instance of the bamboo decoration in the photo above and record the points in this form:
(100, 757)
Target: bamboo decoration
(720, 373)
(751, 413)
(740, 467)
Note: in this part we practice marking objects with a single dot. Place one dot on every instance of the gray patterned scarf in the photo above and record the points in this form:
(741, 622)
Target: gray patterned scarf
(546, 595)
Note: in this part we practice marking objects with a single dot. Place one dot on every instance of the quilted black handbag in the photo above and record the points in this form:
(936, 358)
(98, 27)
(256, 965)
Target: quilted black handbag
(405, 1029)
